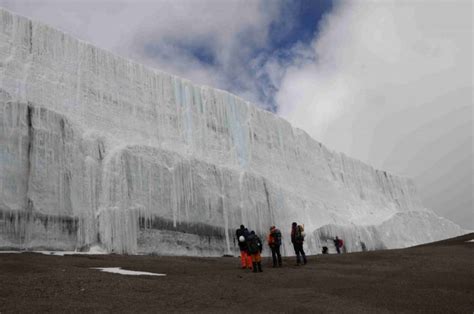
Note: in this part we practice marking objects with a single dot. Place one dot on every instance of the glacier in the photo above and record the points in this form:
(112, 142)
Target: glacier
(98, 150)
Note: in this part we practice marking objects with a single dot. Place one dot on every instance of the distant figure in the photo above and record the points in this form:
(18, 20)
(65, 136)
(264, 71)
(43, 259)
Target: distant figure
(297, 238)
(274, 242)
(325, 250)
(242, 234)
(338, 243)
(254, 245)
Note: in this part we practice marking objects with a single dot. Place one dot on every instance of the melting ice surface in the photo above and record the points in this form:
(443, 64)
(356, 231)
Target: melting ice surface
(95, 250)
(119, 270)
(98, 150)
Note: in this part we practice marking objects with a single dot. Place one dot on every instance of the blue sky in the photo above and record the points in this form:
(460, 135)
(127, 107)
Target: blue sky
(387, 82)
(295, 23)
(304, 17)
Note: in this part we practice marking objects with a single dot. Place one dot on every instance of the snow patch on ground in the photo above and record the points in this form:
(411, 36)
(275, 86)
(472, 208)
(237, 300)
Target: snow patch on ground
(472, 240)
(118, 270)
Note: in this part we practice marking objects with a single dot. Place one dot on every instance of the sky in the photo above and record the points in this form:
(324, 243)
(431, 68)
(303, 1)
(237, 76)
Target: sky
(387, 82)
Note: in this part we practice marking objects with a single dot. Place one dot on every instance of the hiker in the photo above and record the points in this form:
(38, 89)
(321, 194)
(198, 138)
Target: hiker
(242, 234)
(274, 242)
(338, 243)
(297, 238)
(254, 245)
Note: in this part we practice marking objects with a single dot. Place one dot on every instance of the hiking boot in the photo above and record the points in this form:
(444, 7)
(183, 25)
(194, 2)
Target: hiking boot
(254, 267)
(259, 267)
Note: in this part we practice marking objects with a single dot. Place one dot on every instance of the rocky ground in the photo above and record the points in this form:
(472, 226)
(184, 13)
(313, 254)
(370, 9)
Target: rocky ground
(433, 278)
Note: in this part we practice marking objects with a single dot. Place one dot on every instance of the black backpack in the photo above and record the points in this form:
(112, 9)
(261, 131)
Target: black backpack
(254, 244)
(239, 232)
(276, 235)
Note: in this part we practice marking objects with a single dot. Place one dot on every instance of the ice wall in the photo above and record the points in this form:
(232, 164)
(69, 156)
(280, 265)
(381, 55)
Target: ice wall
(97, 149)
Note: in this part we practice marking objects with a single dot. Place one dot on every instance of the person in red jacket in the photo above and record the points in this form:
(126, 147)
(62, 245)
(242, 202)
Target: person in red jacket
(338, 243)
(274, 242)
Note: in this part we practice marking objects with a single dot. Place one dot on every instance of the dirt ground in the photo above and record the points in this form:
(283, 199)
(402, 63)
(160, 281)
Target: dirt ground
(434, 278)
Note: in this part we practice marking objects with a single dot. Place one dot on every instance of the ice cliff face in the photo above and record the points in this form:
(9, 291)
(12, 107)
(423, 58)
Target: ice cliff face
(98, 149)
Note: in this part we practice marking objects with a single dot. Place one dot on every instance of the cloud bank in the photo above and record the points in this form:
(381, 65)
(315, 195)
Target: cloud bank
(390, 83)
(211, 42)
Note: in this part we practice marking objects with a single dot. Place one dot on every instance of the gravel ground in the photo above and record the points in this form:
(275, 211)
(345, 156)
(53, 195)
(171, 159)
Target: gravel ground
(433, 278)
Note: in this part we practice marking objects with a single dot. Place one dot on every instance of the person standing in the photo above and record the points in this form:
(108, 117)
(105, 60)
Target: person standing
(255, 247)
(338, 243)
(274, 242)
(297, 238)
(242, 234)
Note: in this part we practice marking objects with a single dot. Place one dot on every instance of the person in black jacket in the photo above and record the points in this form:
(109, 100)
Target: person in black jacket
(297, 238)
(242, 234)
(338, 244)
(254, 246)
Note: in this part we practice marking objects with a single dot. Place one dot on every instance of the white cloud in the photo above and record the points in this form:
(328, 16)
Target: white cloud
(390, 83)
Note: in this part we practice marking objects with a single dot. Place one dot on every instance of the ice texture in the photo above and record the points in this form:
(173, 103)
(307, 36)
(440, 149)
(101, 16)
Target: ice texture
(99, 150)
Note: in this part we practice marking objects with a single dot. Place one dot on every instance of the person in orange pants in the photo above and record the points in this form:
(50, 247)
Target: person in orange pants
(242, 234)
(245, 260)
(254, 246)
(257, 262)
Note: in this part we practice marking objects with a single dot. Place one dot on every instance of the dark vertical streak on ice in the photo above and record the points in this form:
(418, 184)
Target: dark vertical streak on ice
(67, 191)
(30, 35)
(62, 128)
(29, 120)
(267, 196)
(101, 150)
(128, 175)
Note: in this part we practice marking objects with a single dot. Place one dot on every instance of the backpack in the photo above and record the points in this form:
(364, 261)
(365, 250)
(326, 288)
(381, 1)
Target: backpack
(254, 244)
(276, 235)
(341, 243)
(242, 233)
(300, 233)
